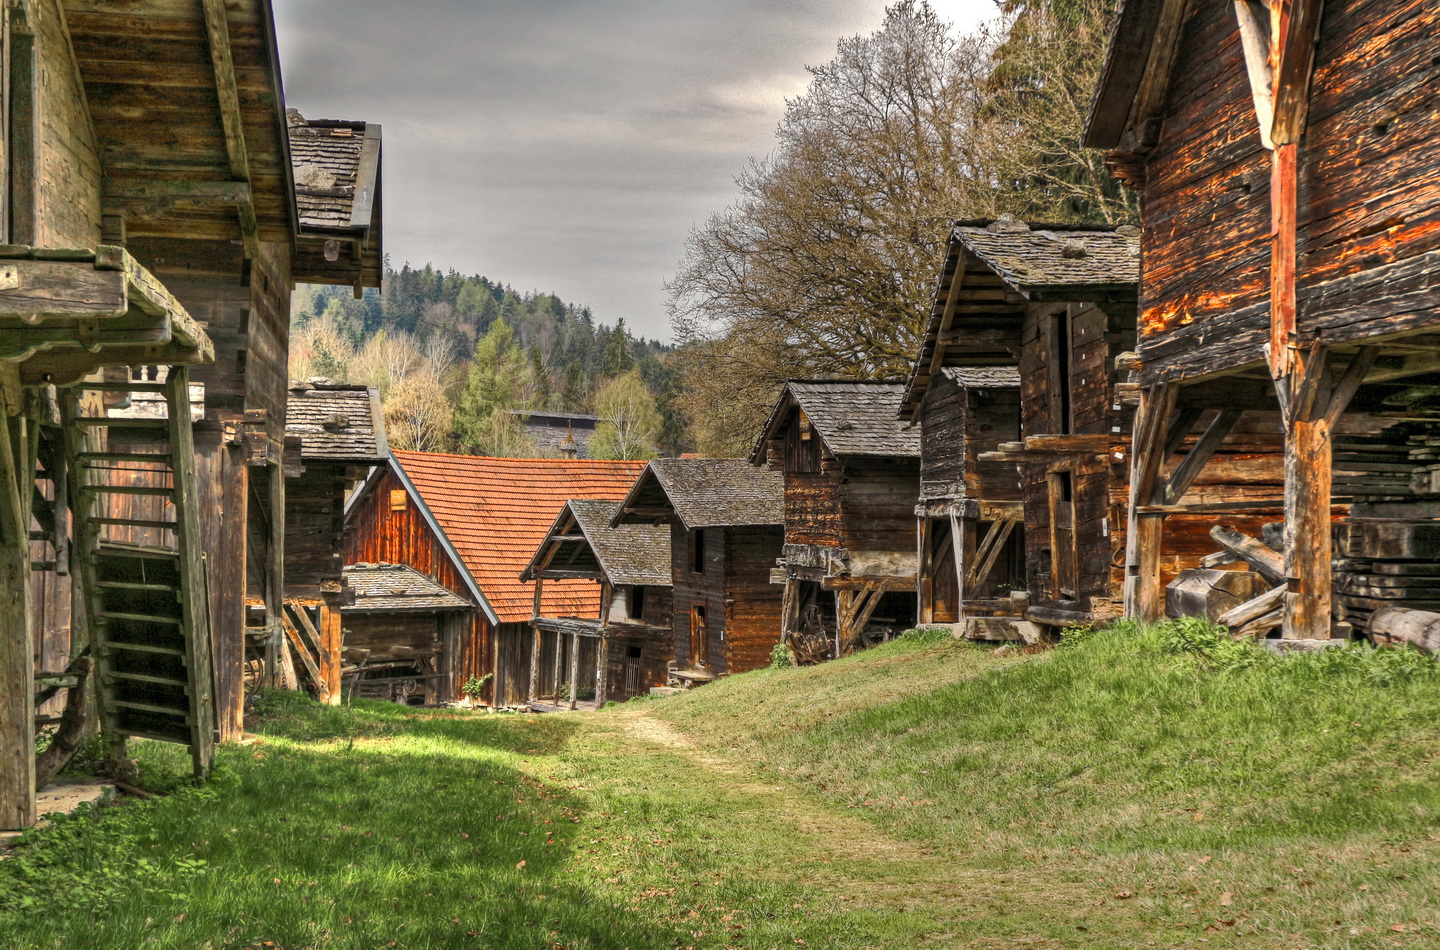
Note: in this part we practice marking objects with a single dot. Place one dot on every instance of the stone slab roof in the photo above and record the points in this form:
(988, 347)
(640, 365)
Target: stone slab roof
(336, 423)
(1028, 258)
(985, 377)
(637, 554)
(853, 417)
(708, 493)
(388, 587)
(326, 156)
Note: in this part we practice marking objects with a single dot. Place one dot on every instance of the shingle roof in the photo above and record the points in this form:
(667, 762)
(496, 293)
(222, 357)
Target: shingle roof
(1031, 262)
(496, 511)
(712, 493)
(326, 157)
(398, 587)
(336, 423)
(985, 377)
(857, 418)
(1029, 258)
(626, 554)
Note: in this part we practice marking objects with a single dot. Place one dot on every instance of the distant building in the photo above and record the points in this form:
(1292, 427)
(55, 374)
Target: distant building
(565, 433)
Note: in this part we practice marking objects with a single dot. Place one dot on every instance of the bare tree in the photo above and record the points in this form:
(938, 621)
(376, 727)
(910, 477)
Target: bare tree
(629, 423)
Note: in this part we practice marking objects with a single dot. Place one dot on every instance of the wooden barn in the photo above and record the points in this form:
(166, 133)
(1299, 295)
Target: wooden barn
(626, 647)
(334, 435)
(1290, 216)
(472, 524)
(402, 633)
(725, 521)
(150, 224)
(851, 483)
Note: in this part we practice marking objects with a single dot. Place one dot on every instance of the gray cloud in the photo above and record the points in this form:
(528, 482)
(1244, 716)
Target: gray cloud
(563, 145)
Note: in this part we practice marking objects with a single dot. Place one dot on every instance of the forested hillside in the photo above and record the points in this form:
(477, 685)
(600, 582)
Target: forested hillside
(455, 356)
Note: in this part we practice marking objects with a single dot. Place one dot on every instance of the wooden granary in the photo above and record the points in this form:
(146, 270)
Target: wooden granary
(1290, 212)
(852, 479)
(724, 517)
(472, 524)
(148, 251)
(625, 647)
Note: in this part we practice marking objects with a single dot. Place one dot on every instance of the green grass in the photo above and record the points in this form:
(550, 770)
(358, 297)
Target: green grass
(1132, 789)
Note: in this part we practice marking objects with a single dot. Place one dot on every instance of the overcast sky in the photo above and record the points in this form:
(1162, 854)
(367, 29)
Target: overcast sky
(564, 145)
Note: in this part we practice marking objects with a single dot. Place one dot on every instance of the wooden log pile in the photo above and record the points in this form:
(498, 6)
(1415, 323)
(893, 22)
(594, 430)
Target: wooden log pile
(1387, 556)
(1401, 462)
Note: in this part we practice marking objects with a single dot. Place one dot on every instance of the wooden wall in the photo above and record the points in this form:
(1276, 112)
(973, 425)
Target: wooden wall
(1369, 199)
(877, 504)
(67, 155)
(375, 534)
(753, 615)
(692, 589)
(314, 527)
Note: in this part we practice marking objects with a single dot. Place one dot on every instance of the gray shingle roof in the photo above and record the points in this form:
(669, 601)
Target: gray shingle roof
(709, 493)
(398, 587)
(985, 377)
(1029, 258)
(628, 553)
(325, 156)
(853, 418)
(336, 423)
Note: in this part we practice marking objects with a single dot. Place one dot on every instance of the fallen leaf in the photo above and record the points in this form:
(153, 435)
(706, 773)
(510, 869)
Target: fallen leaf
(1123, 895)
(1226, 897)
(520, 865)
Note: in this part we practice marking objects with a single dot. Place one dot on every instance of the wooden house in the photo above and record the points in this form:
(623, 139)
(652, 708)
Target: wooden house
(1290, 216)
(334, 435)
(626, 647)
(851, 474)
(472, 524)
(725, 521)
(401, 633)
(150, 196)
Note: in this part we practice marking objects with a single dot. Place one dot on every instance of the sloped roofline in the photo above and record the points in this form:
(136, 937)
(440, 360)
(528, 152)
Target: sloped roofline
(528, 574)
(431, 521)
(788, 400)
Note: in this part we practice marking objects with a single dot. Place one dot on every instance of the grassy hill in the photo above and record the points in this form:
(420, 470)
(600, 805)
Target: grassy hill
(1139, 788)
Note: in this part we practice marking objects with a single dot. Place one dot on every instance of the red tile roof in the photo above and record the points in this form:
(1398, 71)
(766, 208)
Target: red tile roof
(496, 512)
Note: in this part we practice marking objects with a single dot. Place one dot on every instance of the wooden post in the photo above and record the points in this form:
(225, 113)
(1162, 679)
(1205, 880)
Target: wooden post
(602, 672)
(17, 661)
(534, 684)
(1307, 510)
(957, 542)
(574, 668)
(274, 573)
(331, 639)
(924, 583)
(1144, 594)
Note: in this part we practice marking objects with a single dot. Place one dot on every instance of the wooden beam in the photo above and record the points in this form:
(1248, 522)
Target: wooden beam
(217, 29)
(1184, 475)
(17, 664)
(189, 190)
(533, 687)
(1299, 32)
(331, 649)
(990, 550)
(1144, 597)
(574, 670)
(1345, 390)
(1254, 19)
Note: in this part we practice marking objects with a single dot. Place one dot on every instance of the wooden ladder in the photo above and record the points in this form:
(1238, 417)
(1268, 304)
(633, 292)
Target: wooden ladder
(136, 555)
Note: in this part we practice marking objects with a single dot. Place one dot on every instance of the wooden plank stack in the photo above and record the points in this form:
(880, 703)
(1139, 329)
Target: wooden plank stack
(1387, 555)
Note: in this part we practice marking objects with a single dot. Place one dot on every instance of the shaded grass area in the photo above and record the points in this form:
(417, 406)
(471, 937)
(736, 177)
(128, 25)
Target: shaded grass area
(1130, 790)
(1291, 800)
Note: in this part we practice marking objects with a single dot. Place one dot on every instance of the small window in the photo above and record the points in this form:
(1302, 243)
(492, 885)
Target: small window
(399, 500)
(636, 607)
(633, 652)
(697, 551)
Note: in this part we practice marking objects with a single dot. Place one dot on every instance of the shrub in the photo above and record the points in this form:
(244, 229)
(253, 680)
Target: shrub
(780, 657)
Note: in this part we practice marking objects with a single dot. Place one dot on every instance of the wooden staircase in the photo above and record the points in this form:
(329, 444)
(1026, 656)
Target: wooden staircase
(136, 555)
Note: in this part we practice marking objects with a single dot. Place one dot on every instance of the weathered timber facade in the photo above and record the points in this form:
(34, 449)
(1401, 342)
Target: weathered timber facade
(403, 634)
(626, 648)
(150, 196)
(852, 479)
(725, 522)
(472, 525)
(334, 435)
(1290, 248)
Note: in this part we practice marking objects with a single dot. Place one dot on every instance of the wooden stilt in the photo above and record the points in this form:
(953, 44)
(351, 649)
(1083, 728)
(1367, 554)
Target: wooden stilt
(1307, 508)
(1144, 595)
(602, 672)
(924, 581)
(331, 646)
(533, 687)
(574, 669)
(275, 573)
(17, 662)
(957, 544)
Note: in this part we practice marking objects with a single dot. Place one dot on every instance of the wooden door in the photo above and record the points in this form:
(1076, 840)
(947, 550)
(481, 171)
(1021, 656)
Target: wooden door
(699, 638)
(1064, 555)
(945, 583)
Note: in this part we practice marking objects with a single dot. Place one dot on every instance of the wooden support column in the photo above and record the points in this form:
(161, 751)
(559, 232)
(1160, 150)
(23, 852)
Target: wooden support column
(17, 660)
(957, 544)
(602, 672)
(533, 687)
(275, 577)
(331, 640)
(924, 582)
(1144, 594)
(574, 668)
